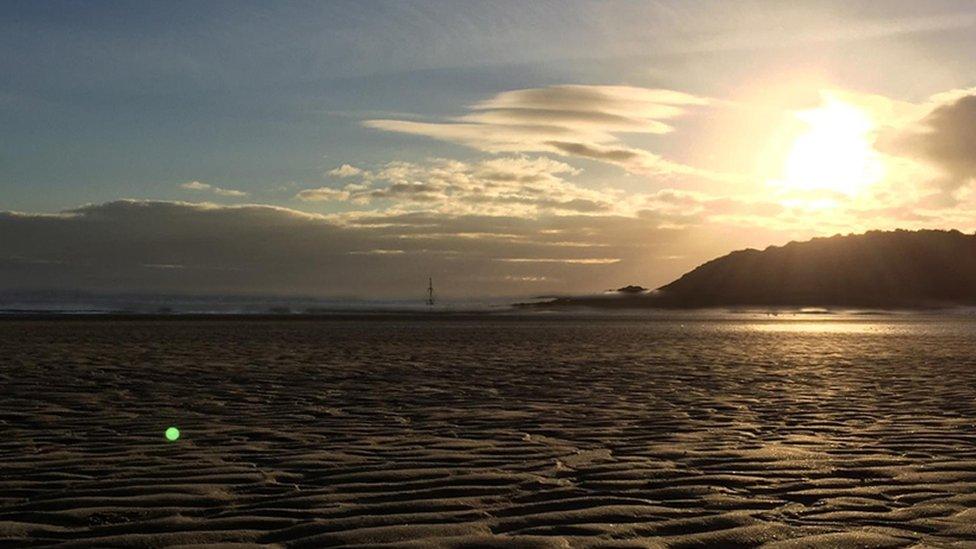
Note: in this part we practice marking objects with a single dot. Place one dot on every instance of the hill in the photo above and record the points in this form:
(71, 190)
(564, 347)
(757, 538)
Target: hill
(883, 269)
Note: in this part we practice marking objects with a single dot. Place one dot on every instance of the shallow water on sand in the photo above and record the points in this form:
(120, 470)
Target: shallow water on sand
(689, 432)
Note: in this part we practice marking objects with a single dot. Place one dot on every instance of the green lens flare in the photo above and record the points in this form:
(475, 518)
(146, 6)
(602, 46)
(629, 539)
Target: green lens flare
(172, 434)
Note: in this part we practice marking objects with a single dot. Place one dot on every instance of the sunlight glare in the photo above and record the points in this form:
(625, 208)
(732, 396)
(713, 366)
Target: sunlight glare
(834, 153)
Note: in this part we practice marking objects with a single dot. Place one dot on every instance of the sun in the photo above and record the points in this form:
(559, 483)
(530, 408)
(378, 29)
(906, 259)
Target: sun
(834, 151)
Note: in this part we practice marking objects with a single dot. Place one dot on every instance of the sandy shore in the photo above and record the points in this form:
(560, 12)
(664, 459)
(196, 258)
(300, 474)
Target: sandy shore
(488, 434)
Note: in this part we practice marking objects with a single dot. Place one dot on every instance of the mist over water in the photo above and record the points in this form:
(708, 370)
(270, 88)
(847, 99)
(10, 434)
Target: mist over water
(142, 304)
(75, 303)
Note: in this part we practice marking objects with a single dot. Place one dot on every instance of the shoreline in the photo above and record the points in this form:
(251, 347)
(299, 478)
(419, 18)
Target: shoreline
(568, 314)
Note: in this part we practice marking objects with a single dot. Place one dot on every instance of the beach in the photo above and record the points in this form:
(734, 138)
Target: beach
(489, 432)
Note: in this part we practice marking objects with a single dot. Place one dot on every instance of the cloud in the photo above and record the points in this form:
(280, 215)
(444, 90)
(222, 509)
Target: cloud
(536, 188)
(377, 252)
(497, 225)
(198, 186)
(593, 152)
(195, 186)
(943, 137)
(324, 194)
(570, 120)
(579, 261)
(497, 186)
(345, 171)
(179, 247)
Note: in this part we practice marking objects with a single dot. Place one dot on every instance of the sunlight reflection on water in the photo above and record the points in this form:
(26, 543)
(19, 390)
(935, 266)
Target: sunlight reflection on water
(824, 327)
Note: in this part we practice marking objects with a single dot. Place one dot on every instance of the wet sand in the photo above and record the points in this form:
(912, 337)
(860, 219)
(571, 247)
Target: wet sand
(490, 433)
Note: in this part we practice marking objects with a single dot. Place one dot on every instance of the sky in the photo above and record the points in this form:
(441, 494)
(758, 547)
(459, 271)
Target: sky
(354, 149)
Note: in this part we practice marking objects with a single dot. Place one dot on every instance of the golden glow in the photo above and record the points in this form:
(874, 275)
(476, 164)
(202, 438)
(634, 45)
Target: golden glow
(841, 325)
(833, 153)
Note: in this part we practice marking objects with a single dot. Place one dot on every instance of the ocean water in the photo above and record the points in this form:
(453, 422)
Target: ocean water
(682, 430)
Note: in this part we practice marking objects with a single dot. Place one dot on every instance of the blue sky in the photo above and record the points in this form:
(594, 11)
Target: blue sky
(234, 103)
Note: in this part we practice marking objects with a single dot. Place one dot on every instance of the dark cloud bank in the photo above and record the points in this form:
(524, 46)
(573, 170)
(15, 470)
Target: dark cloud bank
(144, 246)
(946, 138)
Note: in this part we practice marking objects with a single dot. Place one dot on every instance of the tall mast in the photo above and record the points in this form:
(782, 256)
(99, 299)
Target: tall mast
(430, 292)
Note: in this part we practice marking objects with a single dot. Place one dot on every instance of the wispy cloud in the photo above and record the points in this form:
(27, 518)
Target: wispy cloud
(571, 120)
(220, 191)
(377, 252)
(573, 260)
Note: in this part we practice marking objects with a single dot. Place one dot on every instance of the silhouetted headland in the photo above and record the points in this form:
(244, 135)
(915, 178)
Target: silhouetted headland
(877, 269)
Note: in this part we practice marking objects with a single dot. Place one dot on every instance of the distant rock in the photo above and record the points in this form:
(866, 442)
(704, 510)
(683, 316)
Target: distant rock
(632, 289)
(877, 269)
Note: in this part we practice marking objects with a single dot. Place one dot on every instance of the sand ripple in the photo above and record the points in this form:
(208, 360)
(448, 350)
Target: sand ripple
(488, 434)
